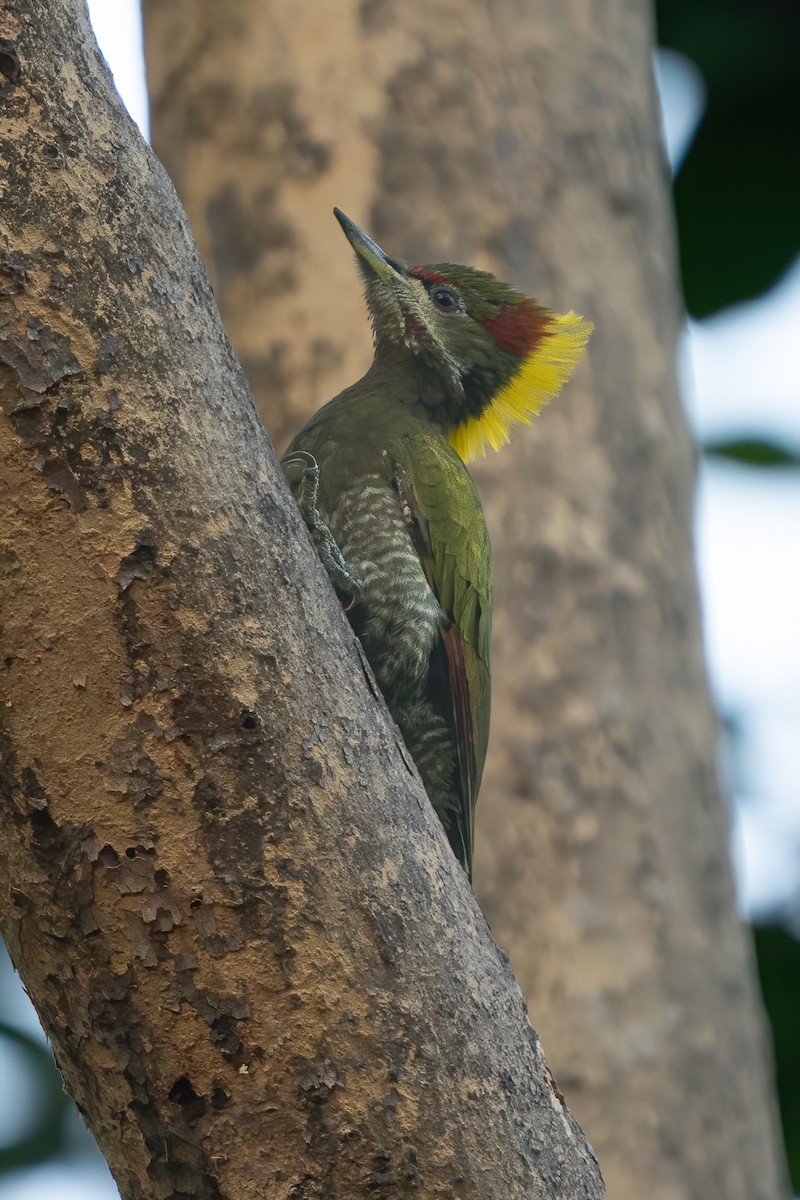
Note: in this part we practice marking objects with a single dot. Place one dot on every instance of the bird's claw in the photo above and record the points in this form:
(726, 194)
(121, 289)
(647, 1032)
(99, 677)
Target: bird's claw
(306, 490)
(307, 486)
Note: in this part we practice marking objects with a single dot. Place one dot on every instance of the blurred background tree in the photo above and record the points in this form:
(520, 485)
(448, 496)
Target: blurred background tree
(737, 199)
(737, 195)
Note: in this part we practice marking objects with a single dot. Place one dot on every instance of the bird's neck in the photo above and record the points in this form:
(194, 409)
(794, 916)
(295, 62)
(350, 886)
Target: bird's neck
(417, 382)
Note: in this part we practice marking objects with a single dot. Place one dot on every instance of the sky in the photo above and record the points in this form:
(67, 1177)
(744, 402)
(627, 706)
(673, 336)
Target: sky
(740, 373)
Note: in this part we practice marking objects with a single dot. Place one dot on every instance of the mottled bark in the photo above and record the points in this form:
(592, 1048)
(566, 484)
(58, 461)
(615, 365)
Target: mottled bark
(261, 970)
(523, 138)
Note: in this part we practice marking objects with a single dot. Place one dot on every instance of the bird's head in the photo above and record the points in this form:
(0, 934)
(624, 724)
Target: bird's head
(488, 356)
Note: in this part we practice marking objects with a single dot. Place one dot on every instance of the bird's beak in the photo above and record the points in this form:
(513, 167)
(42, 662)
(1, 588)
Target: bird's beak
(369, 252)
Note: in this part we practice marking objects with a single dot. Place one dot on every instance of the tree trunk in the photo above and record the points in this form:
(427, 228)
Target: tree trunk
(523, 138)
(262, 973)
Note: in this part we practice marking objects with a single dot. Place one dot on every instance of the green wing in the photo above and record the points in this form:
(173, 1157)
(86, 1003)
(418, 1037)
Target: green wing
(453, 544)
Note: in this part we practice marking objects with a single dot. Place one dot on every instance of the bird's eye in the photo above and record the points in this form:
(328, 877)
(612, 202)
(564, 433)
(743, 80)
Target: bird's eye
(445, 299)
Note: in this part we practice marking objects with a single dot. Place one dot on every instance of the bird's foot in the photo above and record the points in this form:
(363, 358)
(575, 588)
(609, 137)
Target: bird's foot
(305, 487)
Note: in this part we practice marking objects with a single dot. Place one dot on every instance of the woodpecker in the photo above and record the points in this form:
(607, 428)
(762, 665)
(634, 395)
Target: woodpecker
(380, 478)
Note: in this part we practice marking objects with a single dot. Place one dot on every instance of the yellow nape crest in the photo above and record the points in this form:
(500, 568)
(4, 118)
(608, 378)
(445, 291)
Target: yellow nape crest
(539, 378)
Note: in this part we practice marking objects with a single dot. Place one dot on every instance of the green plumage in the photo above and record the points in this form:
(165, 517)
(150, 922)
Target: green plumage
(393, 512)
(403, 510)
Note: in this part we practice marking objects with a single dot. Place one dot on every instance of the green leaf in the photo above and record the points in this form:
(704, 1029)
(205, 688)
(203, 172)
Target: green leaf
(46, 1138)
(753, 452)
(737, 194)
(778, 955)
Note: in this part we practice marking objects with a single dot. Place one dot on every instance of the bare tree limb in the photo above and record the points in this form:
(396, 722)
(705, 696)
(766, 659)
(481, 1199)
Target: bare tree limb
(261, 970)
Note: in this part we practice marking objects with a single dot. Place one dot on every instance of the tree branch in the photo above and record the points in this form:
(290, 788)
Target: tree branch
(262, 972)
